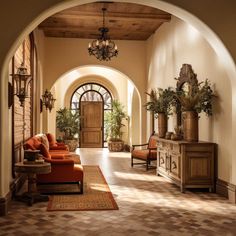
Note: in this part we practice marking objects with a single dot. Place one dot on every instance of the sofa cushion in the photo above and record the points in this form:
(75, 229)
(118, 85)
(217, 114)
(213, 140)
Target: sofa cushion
(144, 154)
(44, 151)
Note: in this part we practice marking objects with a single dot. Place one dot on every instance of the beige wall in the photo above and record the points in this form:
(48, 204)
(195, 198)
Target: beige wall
(39, 55)
(63, 56)
(177, 43)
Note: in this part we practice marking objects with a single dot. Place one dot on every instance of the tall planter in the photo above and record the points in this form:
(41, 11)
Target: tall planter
(190, 126)
(162, 125)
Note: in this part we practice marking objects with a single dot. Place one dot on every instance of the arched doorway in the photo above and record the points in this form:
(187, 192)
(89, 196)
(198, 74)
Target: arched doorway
(92, 100)
(38, 12)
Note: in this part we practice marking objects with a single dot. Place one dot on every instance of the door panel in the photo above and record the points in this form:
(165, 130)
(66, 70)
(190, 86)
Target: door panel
(91, 134)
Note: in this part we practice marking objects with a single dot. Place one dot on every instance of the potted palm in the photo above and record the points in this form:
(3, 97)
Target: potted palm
(194, 99)
(160, 104)
(113, 122)
(68, 121)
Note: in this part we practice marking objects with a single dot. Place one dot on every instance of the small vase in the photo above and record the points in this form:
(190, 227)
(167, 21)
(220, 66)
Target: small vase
(162, 125)
(190, 126)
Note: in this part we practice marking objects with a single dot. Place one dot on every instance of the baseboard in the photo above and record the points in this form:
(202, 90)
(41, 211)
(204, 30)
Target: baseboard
(4, 204)
(226, 189)
(15, 186)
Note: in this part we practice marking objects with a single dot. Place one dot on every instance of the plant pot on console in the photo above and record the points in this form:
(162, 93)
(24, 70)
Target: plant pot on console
(162, 125)
(190, 126)
(160, 104)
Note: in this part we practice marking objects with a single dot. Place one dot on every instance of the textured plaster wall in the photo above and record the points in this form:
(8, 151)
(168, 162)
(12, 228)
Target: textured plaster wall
(177, 43)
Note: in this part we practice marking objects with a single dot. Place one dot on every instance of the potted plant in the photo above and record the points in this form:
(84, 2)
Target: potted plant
(194, 99)
(113, 124)
(68, 121)
(160, 104)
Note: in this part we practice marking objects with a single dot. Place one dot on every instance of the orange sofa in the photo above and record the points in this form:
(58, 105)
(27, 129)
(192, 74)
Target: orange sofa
(65, 166)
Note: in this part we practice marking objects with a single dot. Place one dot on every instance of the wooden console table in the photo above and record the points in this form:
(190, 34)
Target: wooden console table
(31, 170)
(187, 164)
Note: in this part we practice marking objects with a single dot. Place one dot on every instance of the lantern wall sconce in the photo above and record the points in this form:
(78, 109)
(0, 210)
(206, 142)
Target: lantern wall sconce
(47, 100)
(21, 83)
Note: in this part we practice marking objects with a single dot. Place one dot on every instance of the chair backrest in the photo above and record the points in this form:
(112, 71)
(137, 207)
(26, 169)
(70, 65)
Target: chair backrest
(152, 143)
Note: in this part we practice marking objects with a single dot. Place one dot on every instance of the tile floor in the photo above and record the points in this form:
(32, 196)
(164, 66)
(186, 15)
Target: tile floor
(148, 205)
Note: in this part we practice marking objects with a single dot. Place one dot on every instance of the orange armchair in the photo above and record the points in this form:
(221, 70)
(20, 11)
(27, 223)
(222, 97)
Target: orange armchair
(148, 154)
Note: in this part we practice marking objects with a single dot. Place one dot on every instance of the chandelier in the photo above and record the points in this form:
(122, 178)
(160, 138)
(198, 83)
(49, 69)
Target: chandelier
(103, 48)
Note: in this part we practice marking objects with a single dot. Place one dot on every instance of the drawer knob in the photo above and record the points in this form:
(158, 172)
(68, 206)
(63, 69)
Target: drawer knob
(174, 166)
(162, 160)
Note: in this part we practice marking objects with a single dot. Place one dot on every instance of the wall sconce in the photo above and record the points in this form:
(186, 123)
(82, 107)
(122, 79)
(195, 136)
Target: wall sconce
(22, 80)
(48, 100)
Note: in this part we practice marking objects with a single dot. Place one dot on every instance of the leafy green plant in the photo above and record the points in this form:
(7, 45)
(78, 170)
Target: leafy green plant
(68, 121)
(113, 121)
(160, 100)
(198, 98)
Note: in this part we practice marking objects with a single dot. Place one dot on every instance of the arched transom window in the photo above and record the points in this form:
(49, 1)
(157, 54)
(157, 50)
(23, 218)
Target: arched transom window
(92, 92)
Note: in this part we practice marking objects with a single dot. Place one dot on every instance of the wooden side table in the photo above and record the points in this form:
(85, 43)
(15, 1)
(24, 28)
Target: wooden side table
(31, 170)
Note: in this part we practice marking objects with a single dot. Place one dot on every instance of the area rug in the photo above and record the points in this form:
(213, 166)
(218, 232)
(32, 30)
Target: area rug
(96, 196)
(52, 189)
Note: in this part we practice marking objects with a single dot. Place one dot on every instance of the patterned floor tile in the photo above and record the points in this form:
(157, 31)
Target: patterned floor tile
(148, 205)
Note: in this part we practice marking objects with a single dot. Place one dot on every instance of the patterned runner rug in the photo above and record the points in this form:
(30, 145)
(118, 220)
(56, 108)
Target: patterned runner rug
(96, 196)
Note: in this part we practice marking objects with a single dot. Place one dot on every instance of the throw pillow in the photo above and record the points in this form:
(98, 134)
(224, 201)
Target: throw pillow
(34, 142)
(51, 139)
(44, 140)
(44, 151)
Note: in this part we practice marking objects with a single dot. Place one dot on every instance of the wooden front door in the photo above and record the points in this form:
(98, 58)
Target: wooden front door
(91, 133)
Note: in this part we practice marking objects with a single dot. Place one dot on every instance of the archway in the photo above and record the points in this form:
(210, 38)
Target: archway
(111, 79)
(39, 12)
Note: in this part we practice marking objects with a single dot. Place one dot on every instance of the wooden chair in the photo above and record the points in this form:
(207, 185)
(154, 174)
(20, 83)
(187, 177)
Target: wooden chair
(147, 155)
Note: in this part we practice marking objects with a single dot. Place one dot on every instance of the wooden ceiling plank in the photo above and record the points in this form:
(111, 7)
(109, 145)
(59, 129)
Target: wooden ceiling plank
(84, 21)
(138, 16)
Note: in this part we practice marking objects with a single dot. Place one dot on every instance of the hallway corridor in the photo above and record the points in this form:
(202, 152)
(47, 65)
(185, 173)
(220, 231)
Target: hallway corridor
(148, 205)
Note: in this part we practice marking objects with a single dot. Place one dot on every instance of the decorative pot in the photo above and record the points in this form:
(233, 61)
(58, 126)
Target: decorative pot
(162, 125)
(72, 144)
(115, 146)
(190, 126)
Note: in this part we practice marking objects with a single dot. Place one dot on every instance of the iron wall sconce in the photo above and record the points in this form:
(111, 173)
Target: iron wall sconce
(47, 100)
(22, 80)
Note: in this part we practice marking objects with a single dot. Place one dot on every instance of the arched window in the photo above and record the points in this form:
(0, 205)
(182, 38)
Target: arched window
(91, 92)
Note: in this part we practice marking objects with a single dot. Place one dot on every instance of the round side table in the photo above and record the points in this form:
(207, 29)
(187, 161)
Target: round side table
(31, 170)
